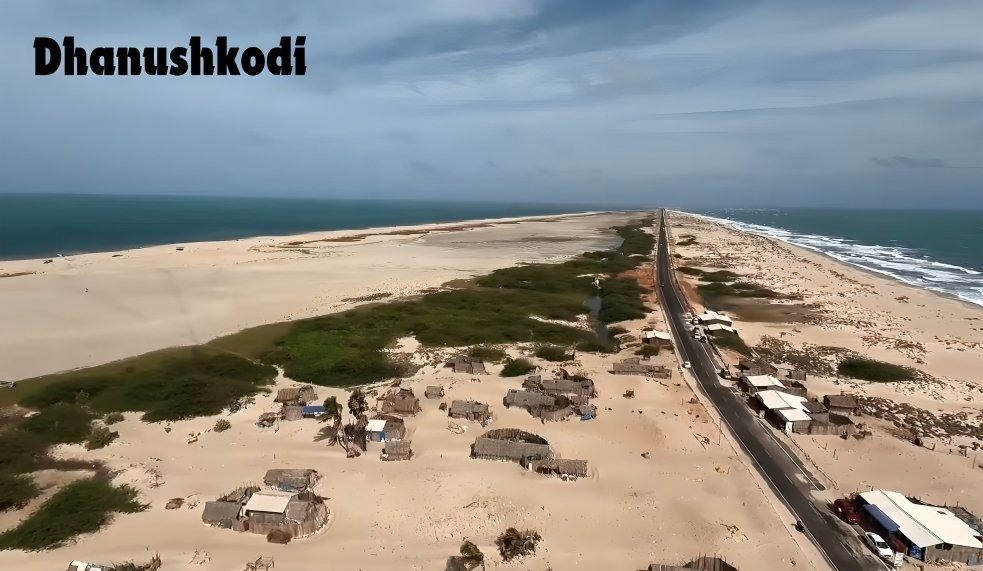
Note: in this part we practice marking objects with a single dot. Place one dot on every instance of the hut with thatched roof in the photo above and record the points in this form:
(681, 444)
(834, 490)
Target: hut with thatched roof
(702, 563)
(291, 480)
(634, 366)
(561, 468)
(296, 395)
(470, 410)
(401, 401)
(397, 450)
(467, 365)
(527, 399)
(252, 510)
(434, 392)
(510, 445)
(383, 428)
(292, 412)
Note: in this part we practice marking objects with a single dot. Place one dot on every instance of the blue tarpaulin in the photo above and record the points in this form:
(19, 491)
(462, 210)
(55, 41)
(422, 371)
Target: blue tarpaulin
(881, 518)
(313, 410)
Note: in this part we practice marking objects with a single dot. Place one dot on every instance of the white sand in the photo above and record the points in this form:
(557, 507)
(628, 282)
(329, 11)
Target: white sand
(691, 496)
(882, 319)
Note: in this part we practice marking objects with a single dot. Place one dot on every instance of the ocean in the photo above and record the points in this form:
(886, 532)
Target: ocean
(937, 250)
(36, 226)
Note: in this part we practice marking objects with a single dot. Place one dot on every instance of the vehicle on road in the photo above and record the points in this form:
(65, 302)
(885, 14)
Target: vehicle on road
(686, 365)
(880, 547)
(846, 510)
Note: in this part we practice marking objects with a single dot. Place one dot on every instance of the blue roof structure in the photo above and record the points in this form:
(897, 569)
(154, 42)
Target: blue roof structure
(882, 518)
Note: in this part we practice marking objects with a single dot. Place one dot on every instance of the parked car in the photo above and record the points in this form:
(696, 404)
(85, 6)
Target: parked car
(686, 365)
(879, 546)
(846, 510)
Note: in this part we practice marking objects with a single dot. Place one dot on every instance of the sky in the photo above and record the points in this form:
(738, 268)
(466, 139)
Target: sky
(695, 103)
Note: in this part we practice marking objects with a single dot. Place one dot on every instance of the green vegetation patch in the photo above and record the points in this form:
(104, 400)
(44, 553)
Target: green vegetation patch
(517, 368)
(648, 351)
(621, 300)
(78, 508)
(874, 371)
(187, 384)
(732, 342)
(487, 354)
(16, 490)
(711, 292)
(552, 353)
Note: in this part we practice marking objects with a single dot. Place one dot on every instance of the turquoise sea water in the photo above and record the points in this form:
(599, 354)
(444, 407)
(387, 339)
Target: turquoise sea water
(34, 226)
(934, 249)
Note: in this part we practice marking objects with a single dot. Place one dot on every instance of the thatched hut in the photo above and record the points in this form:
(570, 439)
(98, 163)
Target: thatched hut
(581, 386)
(470, 410)
(511, 445)
(434, 392)
(527, 399)
(383, 428)
(565, 469)
(467, 365)
(842, 404)
(291, 480)
(220, 514)
(292, 412)
(397, 450)
(401, 401)
(296, 395)
(300, 515)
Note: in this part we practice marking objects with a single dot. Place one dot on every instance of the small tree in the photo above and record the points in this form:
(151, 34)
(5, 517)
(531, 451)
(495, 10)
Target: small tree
(357, 405)
(514, 543)
(100, 437)
(517, 367)
(113, 418)
(221, 425)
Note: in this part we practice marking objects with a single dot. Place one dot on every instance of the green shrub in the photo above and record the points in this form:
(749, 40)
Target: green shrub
(488, 354)
(221, 425)
(61, 423)
(517, 368)
(184, 385)
(81, 507)
(690, 271)
(100, 437)
(719, 276)
(16, 490)
(112, 418)
(552, 353)
(875, 371)
(595, 346)
(616, 330)
(648, 351)
(732, 342)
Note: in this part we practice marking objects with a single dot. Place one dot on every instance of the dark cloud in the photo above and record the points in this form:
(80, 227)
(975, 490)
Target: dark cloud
(908, 162)
(635, 101)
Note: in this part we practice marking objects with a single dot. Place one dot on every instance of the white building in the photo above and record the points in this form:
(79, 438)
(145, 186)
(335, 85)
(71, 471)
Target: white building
(929, 533)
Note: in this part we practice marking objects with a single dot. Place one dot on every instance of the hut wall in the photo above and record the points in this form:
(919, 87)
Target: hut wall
(831, 429)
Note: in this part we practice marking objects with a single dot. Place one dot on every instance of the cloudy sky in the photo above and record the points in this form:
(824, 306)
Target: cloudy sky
(687, 103)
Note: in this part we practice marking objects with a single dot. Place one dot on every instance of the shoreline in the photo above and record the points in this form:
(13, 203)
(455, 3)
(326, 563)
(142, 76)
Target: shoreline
(97, 308)
(869, 271)
(341, 232)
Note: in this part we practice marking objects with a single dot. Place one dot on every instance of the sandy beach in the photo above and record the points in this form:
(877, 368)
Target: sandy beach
(90, 309)
(665, 486)
(833, 305)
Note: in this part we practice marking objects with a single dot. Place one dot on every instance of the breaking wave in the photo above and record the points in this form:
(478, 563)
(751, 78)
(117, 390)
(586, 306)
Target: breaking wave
(908, 265)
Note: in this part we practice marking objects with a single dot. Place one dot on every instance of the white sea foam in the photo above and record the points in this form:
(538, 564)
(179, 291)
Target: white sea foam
(907, 265)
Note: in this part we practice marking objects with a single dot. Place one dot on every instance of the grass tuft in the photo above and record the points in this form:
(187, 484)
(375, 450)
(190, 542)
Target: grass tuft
(874, 371)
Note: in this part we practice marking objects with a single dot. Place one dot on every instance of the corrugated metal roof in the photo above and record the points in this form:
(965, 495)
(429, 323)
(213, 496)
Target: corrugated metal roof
(270, 502)
(657, 335)
(923, 525)
(762, 381)
(376, 425)
(719, 327)
(792, 414)
(773, 400)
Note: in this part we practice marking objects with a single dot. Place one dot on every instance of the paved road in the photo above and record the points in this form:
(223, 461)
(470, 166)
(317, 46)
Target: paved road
(784, 474)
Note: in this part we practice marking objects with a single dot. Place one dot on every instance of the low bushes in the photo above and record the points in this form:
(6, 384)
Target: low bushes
(488, 354)
(552, 353)
(871, 370)
(517, 368)
(16, 490)
(81, 507)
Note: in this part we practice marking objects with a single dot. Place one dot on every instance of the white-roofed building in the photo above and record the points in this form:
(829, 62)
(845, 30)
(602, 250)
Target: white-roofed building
(717, 329)
(709, 317)
(755, 383)
(789, 411)
(929, 533)
(270, 502)
(656, 337)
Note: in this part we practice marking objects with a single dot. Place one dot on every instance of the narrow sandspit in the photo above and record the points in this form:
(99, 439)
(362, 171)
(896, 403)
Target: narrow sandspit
(843, 311)
(90, 309)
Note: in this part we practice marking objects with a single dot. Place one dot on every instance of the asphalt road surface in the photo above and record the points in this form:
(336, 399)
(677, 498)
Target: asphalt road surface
(785, 474)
